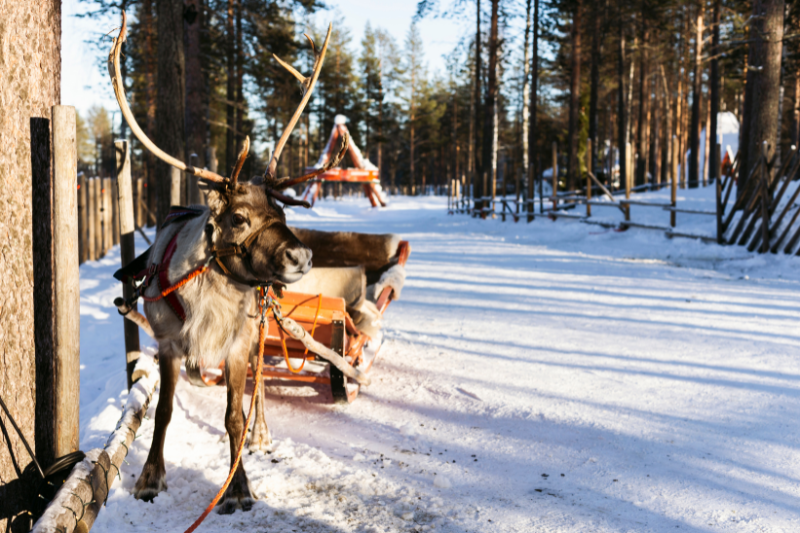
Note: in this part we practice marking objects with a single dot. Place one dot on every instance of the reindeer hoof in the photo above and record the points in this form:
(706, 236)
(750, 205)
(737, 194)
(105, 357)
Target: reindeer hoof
(260, 439)
(238, 495)
(149, 484)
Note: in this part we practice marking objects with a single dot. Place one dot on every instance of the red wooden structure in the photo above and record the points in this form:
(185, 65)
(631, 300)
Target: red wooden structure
(364, 172)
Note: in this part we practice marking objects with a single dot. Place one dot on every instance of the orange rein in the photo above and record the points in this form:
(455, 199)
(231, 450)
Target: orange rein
(189, 277)
(283, 340)
(262, 329)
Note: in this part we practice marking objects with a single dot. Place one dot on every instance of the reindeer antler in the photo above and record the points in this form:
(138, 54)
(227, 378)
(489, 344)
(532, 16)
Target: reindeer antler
(291, 182)
(122, 100)
(308, 84)
(240, 162)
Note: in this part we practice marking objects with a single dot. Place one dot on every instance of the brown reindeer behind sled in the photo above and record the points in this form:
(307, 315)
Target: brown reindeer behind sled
(239, 242)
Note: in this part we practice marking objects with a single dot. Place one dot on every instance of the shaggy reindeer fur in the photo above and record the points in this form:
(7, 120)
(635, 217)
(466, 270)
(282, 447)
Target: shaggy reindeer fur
(344, 248)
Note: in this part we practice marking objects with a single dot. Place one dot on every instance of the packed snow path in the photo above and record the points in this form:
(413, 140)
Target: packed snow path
(550, 376)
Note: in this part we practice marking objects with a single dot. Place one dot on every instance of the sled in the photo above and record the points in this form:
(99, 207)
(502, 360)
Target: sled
(287, 359)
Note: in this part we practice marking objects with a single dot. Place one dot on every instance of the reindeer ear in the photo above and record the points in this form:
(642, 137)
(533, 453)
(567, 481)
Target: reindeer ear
(216, 201)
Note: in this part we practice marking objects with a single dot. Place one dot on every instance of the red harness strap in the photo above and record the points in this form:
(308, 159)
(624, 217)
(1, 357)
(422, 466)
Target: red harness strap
(163, 277)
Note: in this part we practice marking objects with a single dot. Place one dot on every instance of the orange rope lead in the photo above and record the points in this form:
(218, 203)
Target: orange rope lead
(283, 340)
(257, 384)
(177, 286)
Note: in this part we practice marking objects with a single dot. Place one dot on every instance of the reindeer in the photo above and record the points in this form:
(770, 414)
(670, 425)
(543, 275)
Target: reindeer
(242, 237)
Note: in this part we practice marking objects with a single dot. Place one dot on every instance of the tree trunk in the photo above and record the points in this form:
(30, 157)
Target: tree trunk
(150, 64)
(171, 114)
(533, 170)
(594, 84)
(641, 137)
(239, 124)
(489, 159)
(526, 89)
(31, 72)
(714, 96)
(621, 115)
(195, 93)
(573, 166)
(697, 92)
(762, 91)
(230, 95)
(476, 164)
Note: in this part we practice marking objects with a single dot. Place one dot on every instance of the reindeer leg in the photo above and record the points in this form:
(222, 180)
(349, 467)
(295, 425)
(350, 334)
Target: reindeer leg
(260, 438)
(152, 479)
(239, 492)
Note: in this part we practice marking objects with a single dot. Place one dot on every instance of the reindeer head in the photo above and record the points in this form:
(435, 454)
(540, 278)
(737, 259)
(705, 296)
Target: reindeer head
(247, 227)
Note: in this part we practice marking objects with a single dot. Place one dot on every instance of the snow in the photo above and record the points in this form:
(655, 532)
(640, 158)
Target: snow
(551, 376)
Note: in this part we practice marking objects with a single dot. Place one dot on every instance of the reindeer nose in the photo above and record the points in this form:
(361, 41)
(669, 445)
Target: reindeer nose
(299, 258)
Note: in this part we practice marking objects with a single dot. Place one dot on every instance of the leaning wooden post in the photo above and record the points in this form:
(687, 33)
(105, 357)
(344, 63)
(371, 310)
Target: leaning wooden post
(82, 244)
(484, 203)
(127, 254)
(555, 175)
(517, 193)
(588, 178)
(66, 283)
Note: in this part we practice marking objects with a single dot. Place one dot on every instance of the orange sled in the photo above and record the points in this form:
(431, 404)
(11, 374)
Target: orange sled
(287, 359)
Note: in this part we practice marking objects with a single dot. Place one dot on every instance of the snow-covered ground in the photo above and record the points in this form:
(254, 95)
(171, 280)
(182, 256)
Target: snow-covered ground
(551, 376)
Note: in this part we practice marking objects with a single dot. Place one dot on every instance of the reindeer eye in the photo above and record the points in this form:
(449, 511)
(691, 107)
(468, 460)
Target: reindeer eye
(238, 219)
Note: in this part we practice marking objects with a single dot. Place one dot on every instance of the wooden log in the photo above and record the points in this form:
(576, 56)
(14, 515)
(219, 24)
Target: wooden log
(83, 249)
(91, 240)
(127, 227)
(79, 500)
(66, 283)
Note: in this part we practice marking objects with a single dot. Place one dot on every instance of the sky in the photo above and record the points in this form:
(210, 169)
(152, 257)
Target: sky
(83, 83)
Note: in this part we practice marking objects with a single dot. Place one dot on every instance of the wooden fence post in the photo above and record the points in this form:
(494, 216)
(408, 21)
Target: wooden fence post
(140, 199)
(98, 219)
(175, 186)
(91, 253)
(484, 203)
(517, 193)
(66, 283)
(555, 175)
(127, 250)
(588, 179)
(673, 193)
(114, 211)
(82, 244)
(107, 233)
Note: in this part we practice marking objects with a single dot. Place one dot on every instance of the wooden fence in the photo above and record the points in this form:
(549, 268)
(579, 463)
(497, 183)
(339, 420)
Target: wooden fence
(763, 216)
(563, 204)
(98, 215)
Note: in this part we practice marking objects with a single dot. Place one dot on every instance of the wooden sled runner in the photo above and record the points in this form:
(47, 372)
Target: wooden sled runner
(329, 317)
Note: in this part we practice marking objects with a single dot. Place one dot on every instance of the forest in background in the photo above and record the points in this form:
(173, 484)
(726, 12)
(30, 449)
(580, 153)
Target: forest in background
(638, 75)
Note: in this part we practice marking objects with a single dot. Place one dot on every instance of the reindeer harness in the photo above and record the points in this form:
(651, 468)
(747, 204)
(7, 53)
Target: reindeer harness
(138, 270)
